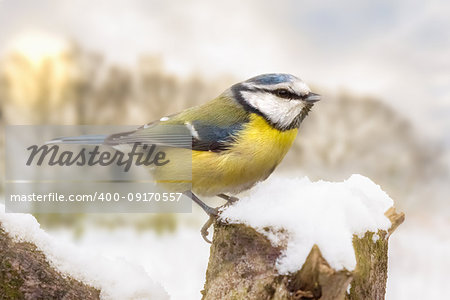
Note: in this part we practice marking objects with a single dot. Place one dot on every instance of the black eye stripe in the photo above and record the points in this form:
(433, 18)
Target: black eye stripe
(288, 94)
(284, 93)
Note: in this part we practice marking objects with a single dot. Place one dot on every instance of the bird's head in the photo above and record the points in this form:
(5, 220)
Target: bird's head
(282, 99)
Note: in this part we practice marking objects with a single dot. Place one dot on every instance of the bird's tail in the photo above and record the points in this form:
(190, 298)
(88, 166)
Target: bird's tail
(80, 140)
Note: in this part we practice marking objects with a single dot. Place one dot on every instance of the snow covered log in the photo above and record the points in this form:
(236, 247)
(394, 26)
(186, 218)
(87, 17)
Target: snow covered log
(26, 274)
(37, 265)
(294, 239)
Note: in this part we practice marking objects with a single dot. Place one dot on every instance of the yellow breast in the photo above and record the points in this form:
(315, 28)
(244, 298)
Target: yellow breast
(259, 148)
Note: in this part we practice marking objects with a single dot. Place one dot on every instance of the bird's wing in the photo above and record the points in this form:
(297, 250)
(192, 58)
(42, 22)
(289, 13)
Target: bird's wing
(196, 135)
(210, 127)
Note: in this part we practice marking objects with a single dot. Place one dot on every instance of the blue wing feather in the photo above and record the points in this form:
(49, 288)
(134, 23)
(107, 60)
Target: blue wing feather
(199, 136)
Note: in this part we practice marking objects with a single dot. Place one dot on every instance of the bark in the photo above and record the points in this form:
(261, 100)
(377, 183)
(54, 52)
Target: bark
(242, 266)
(26, 274)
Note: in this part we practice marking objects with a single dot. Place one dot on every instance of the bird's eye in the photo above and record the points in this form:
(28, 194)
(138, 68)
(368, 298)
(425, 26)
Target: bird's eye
(283, 93)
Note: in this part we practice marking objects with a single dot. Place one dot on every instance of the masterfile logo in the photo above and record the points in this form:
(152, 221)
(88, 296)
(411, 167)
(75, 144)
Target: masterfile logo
(43, 177)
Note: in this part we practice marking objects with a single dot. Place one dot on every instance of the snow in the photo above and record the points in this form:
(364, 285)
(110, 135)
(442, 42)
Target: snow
(116, 278)
(303, 213)
(419, 264)
(177, 261)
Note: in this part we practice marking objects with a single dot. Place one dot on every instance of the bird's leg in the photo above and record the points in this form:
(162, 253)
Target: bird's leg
(212, 213)
(208, 209)
(230, 199)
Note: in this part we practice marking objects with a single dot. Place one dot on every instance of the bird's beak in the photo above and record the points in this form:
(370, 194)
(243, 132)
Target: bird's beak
(312, 97)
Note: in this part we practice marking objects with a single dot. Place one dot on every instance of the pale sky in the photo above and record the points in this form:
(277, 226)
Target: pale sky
(398, 51)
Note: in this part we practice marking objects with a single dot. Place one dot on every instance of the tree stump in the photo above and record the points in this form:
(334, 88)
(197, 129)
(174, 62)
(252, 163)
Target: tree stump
(26, 274)
(242, 266)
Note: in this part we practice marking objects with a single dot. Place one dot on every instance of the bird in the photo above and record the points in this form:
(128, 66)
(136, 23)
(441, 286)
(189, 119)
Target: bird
(234, 140)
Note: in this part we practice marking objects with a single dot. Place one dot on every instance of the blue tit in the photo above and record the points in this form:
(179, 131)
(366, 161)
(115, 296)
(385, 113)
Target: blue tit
(238, 138)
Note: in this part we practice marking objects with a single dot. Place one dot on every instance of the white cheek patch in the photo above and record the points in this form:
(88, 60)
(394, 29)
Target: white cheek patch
(280, 111)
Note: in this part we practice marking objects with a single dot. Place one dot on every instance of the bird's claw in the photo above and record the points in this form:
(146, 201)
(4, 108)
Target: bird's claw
(204, 231)
(212, 212)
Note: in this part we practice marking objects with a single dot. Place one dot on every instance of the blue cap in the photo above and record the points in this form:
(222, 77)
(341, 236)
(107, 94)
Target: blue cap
(275, 78)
